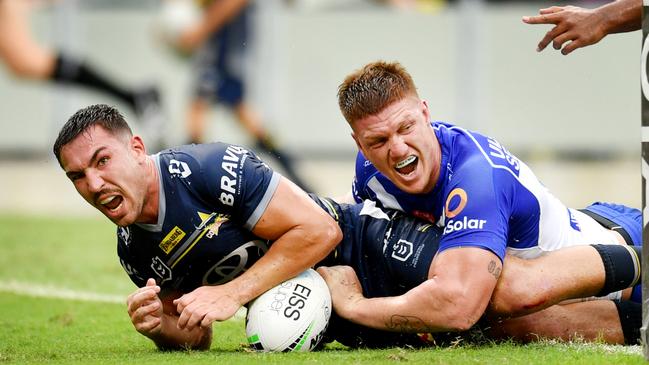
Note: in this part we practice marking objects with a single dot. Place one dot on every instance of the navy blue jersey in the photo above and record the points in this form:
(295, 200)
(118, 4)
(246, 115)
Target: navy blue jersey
(391, 254)
(485, 197)
(211, 196)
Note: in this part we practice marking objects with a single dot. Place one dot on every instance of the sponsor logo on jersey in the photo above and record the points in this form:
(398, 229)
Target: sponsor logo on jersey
(172, 239)
(455, 202)
(464, 223)
(161, 269)
(213, 228)
(230, 165)
(125, 234)
(498, 151)
(235, 263)
(179, 168)
(402, 250)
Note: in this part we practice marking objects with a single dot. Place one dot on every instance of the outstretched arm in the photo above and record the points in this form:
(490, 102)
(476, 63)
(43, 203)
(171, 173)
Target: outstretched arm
(454, 297)
(303, 234)
(582, 27)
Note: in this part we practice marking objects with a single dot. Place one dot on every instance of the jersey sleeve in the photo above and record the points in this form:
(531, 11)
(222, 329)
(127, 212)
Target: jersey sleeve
(474, 213)
(235, 181)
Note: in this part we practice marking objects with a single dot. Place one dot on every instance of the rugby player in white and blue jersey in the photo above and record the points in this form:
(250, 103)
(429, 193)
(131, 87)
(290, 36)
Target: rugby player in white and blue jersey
(486, 201)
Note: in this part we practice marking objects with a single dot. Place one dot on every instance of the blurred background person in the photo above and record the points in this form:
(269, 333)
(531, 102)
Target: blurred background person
(26, 58)
(218, 41)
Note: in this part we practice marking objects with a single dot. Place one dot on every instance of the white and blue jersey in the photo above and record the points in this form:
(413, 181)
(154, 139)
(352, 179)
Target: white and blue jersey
(485, 197)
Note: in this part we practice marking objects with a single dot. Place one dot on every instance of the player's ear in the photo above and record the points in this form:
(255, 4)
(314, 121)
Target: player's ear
(137, 145)
(426, 110)
(358, 144)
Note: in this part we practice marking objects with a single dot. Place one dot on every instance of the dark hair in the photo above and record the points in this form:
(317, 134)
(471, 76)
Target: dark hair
(100, 114)
(371, 89)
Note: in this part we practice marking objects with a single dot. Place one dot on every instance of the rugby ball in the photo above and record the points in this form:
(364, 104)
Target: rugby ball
(292, 316)
(175, 17)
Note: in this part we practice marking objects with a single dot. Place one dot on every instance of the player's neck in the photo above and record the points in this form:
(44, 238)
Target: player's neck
(151, 203)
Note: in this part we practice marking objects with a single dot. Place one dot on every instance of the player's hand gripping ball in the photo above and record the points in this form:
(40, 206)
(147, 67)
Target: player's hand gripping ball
(292, 316)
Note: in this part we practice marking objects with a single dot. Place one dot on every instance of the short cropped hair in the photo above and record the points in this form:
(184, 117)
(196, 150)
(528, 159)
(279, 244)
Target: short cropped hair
(103, 115)
(371, 89)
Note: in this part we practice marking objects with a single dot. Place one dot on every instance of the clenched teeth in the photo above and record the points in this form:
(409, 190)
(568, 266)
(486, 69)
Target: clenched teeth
(403, 163)
(107, 200)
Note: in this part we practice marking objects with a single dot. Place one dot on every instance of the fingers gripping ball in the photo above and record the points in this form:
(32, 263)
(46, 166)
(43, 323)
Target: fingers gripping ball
(292, 316)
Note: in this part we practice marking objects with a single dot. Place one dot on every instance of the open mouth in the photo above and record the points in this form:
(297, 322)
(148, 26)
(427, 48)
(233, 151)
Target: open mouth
(112, 202)
(407, 165)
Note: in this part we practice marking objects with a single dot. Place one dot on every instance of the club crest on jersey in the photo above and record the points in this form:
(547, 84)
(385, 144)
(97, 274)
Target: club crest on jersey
(172, 239)
(402, 250)
(212, 228)
(179, 168)
(161, 269)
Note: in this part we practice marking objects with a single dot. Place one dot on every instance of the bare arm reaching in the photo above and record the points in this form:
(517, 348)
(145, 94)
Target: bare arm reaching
(576, 27)
(454, 297)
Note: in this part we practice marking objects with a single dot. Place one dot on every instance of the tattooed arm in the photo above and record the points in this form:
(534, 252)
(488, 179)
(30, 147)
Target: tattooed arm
(459, 286)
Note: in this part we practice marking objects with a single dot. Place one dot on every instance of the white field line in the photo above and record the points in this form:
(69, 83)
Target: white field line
(48, 291)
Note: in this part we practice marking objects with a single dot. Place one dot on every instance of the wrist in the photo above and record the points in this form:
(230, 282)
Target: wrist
(352, 308)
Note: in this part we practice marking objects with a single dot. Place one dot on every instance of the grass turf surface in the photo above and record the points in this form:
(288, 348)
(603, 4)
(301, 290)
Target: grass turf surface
(79, 254)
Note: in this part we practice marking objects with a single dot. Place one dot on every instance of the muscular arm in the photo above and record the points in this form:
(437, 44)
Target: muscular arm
(454, 297)
(303, 234)
(584, 27)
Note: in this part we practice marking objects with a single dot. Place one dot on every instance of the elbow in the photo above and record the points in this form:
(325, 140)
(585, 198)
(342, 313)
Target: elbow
(463, 319)
(463, 310)
(329, 235)
(515, 292)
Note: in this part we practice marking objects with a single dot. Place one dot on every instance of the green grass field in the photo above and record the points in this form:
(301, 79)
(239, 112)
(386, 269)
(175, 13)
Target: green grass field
(79, 255)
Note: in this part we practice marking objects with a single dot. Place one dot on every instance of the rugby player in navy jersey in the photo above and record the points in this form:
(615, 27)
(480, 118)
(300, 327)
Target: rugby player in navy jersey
(175, 207)
(486, 201)
(196, 225)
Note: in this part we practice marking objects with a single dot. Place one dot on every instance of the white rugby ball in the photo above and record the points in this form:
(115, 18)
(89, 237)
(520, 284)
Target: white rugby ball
(175, 17)
(292, 316)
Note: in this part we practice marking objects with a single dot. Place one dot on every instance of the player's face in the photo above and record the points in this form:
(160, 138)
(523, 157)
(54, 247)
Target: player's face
(109, 171)
(401, 144)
